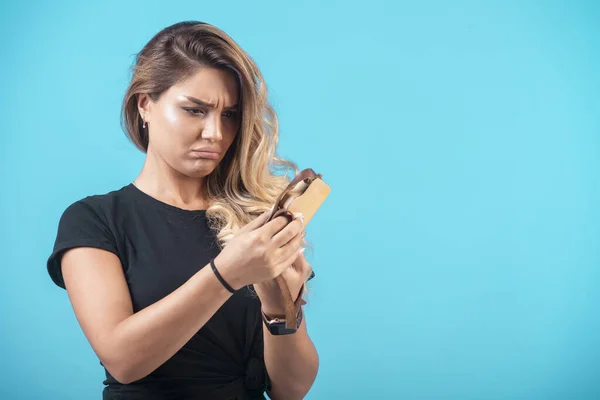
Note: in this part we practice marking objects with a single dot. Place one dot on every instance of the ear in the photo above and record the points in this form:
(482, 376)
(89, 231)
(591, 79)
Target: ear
(143, 103)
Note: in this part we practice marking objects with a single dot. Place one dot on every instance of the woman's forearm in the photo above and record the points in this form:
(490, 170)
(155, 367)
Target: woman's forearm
(292, 363)
(148, 338)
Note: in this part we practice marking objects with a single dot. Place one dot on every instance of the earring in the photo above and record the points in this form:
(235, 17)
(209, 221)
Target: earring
(144, 126)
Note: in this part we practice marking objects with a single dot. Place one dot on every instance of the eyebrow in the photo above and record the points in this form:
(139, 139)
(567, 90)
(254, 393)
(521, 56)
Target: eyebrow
(205, 104)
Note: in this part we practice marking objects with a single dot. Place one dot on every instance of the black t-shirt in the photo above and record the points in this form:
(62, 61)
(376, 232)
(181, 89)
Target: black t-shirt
(160, 247)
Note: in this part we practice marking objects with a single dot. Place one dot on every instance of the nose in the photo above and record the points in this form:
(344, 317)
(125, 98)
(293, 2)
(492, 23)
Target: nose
(212, 129)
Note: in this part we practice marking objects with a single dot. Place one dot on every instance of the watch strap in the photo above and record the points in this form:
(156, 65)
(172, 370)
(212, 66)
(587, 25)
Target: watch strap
(277, 326)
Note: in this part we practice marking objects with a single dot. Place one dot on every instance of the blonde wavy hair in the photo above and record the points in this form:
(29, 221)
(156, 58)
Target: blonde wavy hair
(246, 182)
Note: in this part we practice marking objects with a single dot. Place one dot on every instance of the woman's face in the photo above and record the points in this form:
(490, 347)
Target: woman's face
(194, 122)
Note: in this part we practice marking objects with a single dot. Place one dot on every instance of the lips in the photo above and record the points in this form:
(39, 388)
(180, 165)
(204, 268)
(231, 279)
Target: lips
(205, 153)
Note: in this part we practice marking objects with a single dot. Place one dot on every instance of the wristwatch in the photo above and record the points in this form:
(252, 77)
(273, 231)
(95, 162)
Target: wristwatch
(276, 326)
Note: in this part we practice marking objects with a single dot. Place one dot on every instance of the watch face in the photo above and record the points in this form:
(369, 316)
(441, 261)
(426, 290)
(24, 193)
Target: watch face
(280, 329)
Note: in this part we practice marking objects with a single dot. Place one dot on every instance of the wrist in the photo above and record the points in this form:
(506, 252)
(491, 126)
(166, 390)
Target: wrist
(278, 325)
(225, 270)
(273, 311)
(270, 298)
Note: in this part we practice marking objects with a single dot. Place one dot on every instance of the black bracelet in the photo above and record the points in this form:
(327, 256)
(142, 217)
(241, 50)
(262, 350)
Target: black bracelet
(219, 277)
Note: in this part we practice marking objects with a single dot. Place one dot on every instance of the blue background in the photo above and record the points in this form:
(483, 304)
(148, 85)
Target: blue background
(458, 255)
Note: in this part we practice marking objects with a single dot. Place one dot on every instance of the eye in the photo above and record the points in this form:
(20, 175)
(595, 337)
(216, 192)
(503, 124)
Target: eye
(230, 114)
(194, 111)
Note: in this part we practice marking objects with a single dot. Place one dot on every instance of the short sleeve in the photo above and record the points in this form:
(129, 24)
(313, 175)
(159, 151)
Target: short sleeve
(82, 224)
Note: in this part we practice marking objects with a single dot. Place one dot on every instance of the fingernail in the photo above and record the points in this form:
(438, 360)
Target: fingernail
(301, 250)
(299, 215)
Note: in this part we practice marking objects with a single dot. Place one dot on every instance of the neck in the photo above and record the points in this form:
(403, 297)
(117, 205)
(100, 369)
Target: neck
(162, 182)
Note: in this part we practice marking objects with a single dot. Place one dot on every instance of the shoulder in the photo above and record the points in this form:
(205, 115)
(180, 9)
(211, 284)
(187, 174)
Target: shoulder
(99, 206)
(102, 200)
(87, 222)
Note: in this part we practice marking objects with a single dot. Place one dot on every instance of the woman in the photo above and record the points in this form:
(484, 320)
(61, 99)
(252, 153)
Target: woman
(171, 276)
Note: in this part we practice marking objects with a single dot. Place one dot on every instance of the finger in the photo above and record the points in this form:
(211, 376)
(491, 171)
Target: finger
(274, 226)
(309, 272)
(291, 231)
(302, 264)
(303, 267)
(290, 273)
(289, 260)
(291, 248)
(257, 222)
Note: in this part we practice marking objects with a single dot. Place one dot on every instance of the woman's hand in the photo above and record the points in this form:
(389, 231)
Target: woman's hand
(295, 276)
(260, 252)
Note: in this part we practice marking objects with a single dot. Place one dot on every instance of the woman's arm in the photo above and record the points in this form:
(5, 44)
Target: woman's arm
(130, 345)
(292, 363)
